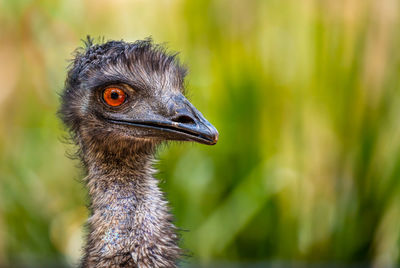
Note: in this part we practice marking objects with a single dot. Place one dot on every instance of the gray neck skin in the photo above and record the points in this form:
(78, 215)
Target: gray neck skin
(130, 225)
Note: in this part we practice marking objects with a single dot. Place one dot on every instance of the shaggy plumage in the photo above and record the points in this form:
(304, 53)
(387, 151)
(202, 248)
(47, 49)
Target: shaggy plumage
(129, 225)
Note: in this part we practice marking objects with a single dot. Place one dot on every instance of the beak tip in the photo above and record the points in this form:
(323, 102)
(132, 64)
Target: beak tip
(215, 137)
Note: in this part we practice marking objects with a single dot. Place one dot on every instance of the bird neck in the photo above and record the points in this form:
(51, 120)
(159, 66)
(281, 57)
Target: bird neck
(130, 225)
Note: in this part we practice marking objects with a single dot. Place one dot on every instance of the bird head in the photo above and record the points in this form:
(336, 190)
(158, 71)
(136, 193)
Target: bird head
(130, 91)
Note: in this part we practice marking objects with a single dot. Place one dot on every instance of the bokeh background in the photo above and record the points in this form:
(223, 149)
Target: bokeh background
(305, 95)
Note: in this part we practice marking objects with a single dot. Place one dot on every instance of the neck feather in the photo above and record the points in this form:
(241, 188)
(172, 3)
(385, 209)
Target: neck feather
(130, 225)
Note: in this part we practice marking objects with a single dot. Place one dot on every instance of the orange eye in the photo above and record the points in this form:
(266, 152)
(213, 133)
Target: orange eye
(114, 96)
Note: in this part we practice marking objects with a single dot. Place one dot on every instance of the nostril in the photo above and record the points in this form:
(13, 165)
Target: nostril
(183, 119)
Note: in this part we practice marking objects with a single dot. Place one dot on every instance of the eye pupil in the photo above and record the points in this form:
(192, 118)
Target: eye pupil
(114, 95)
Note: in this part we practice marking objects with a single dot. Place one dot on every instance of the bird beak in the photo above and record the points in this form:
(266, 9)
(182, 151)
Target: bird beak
(183, 122)
(190, 124)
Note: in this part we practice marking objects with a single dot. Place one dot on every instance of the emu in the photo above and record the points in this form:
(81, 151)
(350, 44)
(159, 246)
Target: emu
(120, 101)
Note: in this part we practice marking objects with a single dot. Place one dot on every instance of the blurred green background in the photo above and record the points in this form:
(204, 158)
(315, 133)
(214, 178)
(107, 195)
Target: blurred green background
(305, 95)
